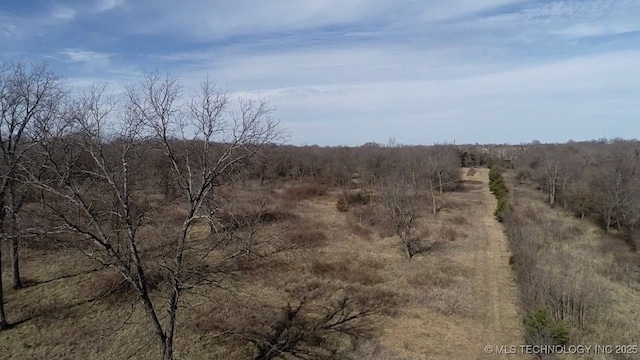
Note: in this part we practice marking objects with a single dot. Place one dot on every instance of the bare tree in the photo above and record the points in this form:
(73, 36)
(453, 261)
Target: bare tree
(617, 189)
(440, 171)
(28, 94)
(401, 203)
(551, 173)
(96, 156)
(302, 336)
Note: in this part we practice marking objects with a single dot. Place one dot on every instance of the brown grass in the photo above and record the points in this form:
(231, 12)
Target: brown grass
(312, 250)
(110, 286)
(307, 238)
(459, 220)
(468, 185)
(349, 272)
(448, 233)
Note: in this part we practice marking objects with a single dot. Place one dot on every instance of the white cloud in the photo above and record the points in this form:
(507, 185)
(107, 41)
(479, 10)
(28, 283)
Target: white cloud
(77, 55)
(219, 19)
(595, 29)
(362, 70)
(63, 13)
(106, 5)
(517, 105)
(573, 19)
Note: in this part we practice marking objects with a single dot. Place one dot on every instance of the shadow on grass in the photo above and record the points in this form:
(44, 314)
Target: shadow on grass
(30, 282)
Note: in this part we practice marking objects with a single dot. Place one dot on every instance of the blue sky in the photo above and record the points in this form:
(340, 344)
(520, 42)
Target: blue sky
(352, 71)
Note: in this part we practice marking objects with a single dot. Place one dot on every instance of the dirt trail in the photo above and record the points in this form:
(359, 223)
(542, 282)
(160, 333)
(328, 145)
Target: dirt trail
(502, 323)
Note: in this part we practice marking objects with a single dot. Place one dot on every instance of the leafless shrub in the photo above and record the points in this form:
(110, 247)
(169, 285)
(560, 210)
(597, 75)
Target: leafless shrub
(342, 204)
(249, 217)
(360, 231)
(454, 299)
(356, 198)
(439, 275)
(452, 204)
(370, 216)
(447, 233)
(551, 279)
(350, 198)
(304, 191)
(315, 323)
(531, 214)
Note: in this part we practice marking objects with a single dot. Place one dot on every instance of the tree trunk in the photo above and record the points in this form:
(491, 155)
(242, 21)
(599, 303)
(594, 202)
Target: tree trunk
(12, 230)
(155, 322)
(16, 283)
(175, 292)
(3, 318)
(607, 224)
(433, 197)
(167, 350)
(552, 191)
(171, 320)
(407, 248)
(42, 202)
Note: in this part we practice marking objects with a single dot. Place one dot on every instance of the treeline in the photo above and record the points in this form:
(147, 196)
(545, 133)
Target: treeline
(596, 180)
(337, 166)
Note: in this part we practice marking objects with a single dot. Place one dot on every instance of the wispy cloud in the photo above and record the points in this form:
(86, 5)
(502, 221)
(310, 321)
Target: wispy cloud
(351, 71)
(106, 5)
(574, 18)
(63, 13)
(84, 56)
(218, 19)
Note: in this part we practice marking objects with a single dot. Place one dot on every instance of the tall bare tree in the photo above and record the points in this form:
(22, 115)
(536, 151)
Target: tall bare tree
(29, 94)
(96, 157)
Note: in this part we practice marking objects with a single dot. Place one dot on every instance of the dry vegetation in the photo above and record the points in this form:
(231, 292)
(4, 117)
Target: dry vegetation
(321, 265)
(578, 284)
(147, 225)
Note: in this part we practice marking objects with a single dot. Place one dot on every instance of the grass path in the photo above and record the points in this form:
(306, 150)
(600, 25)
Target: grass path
(502, 323)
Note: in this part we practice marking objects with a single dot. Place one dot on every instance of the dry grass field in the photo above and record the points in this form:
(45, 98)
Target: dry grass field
(446, 303)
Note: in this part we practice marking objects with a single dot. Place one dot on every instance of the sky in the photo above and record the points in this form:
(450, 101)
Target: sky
(347, 72)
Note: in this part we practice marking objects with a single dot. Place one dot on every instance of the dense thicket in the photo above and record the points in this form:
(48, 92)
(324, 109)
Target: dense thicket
(371, 164)
(595, 180)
